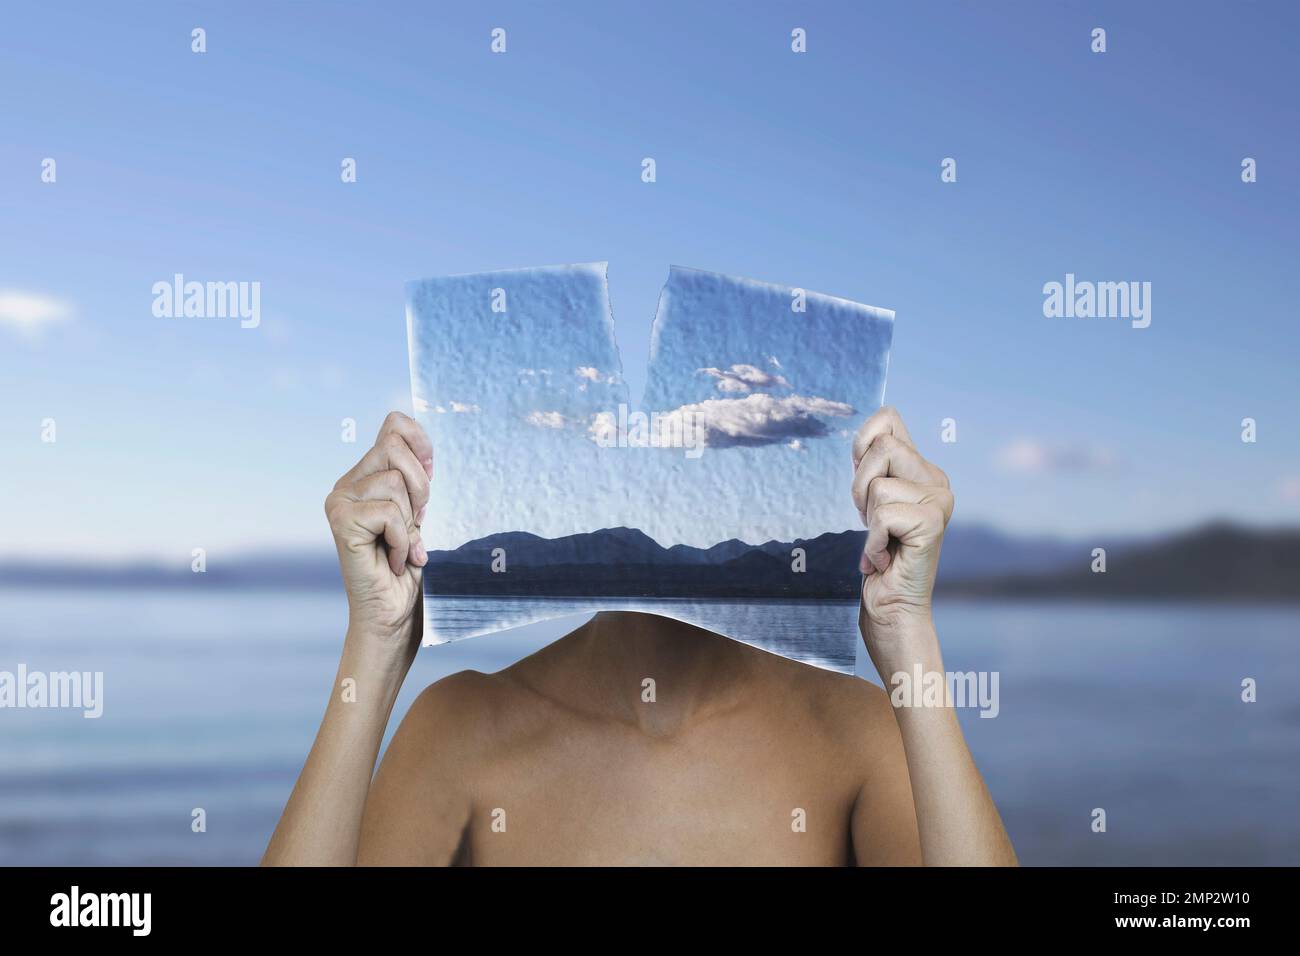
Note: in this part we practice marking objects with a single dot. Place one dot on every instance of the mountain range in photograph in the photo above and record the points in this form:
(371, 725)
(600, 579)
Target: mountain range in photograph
(626, 562)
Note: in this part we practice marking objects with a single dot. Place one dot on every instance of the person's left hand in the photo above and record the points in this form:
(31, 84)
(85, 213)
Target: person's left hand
(905, 502)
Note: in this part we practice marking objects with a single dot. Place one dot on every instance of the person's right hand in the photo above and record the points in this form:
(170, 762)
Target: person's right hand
(375, 512)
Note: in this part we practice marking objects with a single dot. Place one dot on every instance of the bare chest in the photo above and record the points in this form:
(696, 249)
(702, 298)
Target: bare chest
(708, 799)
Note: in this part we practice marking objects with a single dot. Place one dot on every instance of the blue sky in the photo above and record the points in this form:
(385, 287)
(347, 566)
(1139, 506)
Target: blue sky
(817, 169)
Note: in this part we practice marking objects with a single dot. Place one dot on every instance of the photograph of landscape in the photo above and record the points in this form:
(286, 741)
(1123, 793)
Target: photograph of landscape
(727, 484)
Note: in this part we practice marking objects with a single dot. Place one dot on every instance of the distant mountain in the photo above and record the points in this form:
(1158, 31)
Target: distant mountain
(832, 559)
(1218, 560)
(723, 551)
(607, 546)
(977, 551)
(625, 562)
(1215, 561)
(292, 570)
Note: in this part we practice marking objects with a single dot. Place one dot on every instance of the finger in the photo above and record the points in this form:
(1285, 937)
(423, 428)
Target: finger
(419, 556)
(890, 457)
(386, 486)
(383, 519)
(886, 421)
(890, 491)
(913, 525)
(392, 452)
(410, 430)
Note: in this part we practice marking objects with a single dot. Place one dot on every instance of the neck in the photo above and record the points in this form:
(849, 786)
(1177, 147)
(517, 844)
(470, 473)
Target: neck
(655, 672)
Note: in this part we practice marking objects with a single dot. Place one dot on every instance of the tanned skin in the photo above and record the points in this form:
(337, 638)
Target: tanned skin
(741, 757)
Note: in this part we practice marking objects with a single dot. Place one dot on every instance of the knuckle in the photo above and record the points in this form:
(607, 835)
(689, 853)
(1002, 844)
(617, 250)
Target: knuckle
(861, 491)
(334, 504)
(872, 452)
(881, 515)
(876, 488)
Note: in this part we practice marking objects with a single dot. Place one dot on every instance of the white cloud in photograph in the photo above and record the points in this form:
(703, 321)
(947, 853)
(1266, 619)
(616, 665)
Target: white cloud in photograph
(745, 378)
(545, 419)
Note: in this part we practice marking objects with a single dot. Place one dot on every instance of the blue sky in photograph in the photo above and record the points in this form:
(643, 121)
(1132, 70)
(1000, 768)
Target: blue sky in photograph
(745, 429)
(819, 170)
(508, 371)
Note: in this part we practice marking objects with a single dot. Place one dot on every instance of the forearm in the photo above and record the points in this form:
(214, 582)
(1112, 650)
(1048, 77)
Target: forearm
(321, 824)
(958, 822)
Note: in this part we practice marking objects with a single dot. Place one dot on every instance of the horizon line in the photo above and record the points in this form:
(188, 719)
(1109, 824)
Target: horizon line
(156, 559)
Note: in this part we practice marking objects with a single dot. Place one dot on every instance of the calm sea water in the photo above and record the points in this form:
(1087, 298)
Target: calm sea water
(814, 632)
(212, 702)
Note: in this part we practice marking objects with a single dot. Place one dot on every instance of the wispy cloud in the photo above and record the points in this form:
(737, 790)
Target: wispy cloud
(745, 378)
(457, 408)
(28, 312)
(545, 419)
(589, 374)
(1031, 457)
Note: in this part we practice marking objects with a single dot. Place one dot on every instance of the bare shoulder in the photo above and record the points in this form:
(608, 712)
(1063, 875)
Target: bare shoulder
(858, 735)
(420, 800)
(452, 694)
(466, 710)
(848, 710)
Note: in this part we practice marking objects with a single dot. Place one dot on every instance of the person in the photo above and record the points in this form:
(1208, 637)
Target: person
(739, 757)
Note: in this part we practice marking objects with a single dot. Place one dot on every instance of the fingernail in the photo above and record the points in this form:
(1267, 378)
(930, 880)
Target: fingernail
(419, 518)
(428, 466)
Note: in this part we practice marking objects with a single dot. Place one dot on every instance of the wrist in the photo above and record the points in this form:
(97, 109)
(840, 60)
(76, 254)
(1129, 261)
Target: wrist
(903, 642)
(378, 660)
(381, 625)
(895, 617)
